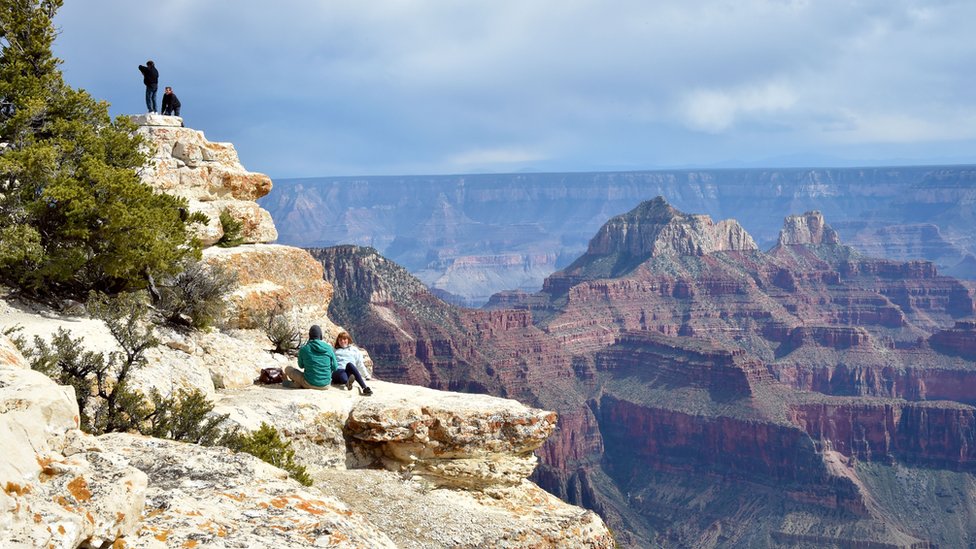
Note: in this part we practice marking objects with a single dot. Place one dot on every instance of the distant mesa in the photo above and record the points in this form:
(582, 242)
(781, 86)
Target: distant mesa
(809, 229)
(655, 229)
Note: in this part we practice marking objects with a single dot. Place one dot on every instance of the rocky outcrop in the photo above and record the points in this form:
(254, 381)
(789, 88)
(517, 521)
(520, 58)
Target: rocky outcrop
(279, 279)
(58, 486)
(208, 496)
(655, 229)
(808, 229)
(209, 175)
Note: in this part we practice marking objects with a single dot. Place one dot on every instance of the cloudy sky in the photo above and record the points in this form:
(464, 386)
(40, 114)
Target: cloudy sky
(362, 87)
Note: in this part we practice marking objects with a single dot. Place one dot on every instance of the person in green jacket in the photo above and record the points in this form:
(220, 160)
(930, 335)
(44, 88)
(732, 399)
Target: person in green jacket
(317, 362)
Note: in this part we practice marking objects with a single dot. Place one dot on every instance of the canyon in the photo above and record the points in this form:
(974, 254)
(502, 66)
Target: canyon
(711, 394)
(406, 467)
(469, 236)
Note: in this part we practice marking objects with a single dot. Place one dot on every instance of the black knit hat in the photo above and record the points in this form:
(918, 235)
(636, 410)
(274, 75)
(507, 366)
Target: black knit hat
(315, 332)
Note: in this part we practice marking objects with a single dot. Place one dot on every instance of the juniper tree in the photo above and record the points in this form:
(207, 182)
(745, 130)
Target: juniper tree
(74, 215)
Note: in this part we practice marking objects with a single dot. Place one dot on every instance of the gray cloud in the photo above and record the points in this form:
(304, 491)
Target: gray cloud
(308, 87)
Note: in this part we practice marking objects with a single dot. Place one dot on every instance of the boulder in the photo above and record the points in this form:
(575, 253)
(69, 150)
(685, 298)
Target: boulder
(58, 487)
(274, 277)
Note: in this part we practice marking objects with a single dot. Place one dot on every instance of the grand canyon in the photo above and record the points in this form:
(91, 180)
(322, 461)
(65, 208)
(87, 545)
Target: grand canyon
(711, 394)
(470, 236)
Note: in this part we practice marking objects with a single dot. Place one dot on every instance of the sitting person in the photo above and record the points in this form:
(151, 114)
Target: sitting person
(317, 361)
(351, 366)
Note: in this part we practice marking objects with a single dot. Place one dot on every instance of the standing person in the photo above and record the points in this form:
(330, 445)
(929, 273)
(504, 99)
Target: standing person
(150, 77)
(350, 360)
(171, 103)
(317, 362)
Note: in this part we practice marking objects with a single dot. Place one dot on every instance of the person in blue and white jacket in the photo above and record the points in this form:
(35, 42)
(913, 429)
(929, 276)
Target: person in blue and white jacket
(351, 367)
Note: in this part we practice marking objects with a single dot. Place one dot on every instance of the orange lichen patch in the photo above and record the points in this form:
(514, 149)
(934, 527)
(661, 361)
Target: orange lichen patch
(190, 543)
(38, 518)
(118, 544)
(119, 517)
(47, 472)
(61, 529)
(79, 489)
(90, 517)
(16, 489)
(310, 508)
(235, 497)
(63, 502)
(162, 535)
(279, 503)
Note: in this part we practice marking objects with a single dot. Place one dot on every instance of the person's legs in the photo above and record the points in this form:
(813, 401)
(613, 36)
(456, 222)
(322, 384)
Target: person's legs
(354, 372)
(149, 98)
(339, 377)
(176, 111)
(298, 378)
(153, 98)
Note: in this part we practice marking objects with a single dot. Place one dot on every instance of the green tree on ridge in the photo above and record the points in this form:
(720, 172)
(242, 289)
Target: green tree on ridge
(74, 215)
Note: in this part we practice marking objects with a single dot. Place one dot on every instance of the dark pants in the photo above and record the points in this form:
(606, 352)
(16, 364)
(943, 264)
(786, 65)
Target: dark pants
(171, 111)
(340, 376)
(151, 98)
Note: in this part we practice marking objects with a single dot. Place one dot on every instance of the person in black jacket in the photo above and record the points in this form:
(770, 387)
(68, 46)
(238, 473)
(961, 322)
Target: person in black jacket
(171, 103)
(150, 77)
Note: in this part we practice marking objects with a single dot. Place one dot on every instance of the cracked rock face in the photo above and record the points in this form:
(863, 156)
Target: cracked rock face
(209, 175)
(462, 441)
(201, 496)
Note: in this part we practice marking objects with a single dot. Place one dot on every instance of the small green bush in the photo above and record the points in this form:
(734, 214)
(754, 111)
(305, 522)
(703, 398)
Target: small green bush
(266, 443)
(187, 416)
(232, 231)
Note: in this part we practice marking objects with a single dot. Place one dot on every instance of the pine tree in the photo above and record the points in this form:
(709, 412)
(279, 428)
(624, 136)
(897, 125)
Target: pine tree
(74, 216)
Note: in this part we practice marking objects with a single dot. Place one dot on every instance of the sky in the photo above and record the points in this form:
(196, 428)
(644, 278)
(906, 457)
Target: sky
(308, 88)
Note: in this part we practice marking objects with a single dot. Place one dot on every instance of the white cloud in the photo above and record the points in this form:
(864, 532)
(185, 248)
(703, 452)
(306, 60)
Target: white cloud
(383, 85)
(716, 111)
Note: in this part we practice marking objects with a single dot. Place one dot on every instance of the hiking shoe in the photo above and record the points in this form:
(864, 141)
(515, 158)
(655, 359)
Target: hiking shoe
(349, 383)
(367, 392)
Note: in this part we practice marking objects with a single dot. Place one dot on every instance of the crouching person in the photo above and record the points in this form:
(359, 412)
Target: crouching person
(317, 361)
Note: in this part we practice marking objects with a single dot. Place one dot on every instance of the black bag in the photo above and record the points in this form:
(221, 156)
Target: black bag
(270, 376)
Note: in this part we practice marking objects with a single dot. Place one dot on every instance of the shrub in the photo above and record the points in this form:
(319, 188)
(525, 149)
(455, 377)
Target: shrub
(232, 231)
(187, 416)
(196, 296)
(282, 332)
(267, 444)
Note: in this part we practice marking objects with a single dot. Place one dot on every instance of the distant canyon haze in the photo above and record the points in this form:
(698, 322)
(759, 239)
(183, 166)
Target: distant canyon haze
(470, 236)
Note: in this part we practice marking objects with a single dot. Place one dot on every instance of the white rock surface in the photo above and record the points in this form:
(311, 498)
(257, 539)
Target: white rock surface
(58, 487)
(212, 497)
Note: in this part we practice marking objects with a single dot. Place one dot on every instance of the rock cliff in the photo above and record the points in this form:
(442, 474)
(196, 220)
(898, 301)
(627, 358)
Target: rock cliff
(720, 398)
(440, 469)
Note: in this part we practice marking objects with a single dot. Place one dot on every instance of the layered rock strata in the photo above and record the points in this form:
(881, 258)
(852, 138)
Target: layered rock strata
(714, 396)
